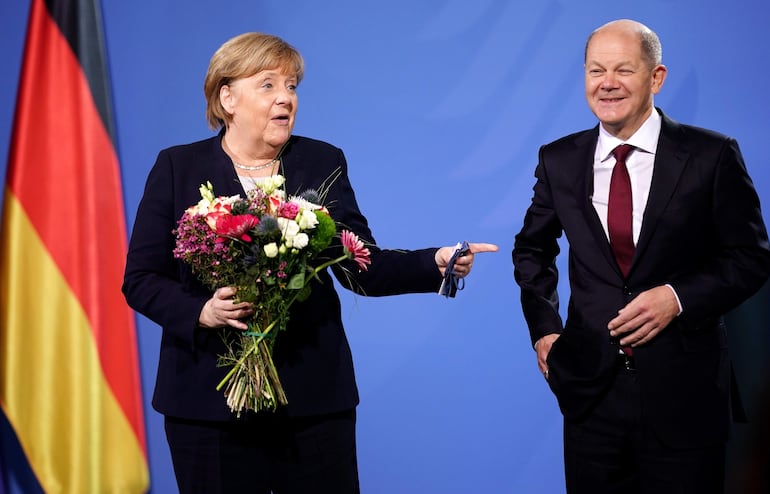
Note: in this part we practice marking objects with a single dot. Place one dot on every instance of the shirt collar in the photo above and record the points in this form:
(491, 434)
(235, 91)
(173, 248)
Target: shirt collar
(645, 139)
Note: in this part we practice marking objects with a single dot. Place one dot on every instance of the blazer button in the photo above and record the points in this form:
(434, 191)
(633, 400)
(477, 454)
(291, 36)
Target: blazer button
(626, 291)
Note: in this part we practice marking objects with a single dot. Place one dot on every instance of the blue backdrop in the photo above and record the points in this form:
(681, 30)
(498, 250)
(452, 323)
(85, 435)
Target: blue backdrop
(440, 108)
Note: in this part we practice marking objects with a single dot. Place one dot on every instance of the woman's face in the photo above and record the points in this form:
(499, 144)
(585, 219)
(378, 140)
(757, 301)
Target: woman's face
(262, 106)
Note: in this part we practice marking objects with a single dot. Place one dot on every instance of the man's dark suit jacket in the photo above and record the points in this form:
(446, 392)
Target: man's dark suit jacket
(702, 233)
(312, 356)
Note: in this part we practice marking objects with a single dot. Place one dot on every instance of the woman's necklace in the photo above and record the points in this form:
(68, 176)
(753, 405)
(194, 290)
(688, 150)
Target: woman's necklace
(257, 167)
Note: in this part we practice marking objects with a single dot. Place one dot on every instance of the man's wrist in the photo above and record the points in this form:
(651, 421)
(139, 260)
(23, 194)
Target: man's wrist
(678, 302)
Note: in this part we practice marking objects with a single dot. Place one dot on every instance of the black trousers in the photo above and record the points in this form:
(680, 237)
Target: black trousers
(265, 454)
(614, 450)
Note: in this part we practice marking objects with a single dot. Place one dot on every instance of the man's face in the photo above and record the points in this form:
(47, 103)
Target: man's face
(619, 83)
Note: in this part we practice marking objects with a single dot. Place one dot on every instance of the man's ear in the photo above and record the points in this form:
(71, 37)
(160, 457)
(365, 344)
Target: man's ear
(659, 73)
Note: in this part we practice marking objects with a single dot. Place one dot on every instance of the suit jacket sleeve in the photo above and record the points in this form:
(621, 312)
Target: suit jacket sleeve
(733, 246)
(534, 257)
(153, 283)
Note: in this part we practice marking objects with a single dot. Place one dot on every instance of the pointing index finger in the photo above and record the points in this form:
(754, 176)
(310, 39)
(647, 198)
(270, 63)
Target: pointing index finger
(483, 247)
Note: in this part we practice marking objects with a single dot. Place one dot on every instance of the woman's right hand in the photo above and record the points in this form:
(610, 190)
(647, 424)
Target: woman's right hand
(221, 310)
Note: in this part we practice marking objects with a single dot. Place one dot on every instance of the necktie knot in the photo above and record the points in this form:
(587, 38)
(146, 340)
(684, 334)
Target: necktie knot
(621, 152)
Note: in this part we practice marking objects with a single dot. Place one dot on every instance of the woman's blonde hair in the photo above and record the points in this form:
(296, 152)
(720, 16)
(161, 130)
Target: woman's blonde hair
(244, 56)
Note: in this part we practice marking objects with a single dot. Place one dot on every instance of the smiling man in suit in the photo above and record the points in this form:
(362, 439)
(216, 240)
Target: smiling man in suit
(664, 239)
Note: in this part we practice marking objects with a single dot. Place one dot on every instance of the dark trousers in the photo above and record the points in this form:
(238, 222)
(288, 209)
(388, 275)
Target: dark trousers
(614, 450)
(266, 454)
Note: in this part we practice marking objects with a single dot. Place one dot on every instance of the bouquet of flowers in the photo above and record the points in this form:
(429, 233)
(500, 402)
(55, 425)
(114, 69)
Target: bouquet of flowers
(269, 248)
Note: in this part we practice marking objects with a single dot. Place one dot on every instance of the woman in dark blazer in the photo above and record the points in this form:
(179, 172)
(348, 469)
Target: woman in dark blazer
(308, 445)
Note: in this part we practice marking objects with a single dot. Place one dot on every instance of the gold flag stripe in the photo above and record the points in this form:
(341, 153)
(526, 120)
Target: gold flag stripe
(50, 354)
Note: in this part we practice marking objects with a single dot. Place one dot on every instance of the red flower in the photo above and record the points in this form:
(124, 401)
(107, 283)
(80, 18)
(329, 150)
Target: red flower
(229, 226)
(355, 249)
(216, 211)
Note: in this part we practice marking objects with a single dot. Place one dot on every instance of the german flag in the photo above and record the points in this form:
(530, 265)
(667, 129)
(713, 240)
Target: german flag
(69, 379)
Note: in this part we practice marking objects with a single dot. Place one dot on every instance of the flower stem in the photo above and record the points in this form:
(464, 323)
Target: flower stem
(246, 352)
(329, 263)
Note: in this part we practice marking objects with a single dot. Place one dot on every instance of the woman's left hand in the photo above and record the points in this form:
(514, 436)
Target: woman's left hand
(463, 264)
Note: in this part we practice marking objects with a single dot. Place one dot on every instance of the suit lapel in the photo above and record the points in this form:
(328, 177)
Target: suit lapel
(584, 185)
(670, 159)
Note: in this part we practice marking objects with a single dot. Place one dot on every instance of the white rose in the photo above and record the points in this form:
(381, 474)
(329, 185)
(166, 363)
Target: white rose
(307, 220)
(289, 228)
(300, 241)
(271, 249)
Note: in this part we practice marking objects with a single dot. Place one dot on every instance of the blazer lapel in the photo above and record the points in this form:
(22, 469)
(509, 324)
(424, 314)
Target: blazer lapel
(670, 159)
(223, 175)
(293, 167)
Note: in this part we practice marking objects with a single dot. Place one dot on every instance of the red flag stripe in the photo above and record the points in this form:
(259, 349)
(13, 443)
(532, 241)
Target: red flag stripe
(80, 23)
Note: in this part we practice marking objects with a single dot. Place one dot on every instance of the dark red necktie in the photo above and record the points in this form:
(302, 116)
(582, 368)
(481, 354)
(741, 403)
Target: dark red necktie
(620, 214)
(620, 210)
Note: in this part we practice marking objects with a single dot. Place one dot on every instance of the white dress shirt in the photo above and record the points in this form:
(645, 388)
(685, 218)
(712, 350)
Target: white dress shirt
(639, 163)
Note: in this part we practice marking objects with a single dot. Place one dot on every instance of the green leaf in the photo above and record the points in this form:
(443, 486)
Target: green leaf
(297, 281)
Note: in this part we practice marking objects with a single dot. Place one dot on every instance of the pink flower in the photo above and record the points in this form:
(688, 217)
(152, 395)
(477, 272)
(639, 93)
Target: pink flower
(288, 210)
(355, 249)
(229, 226)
